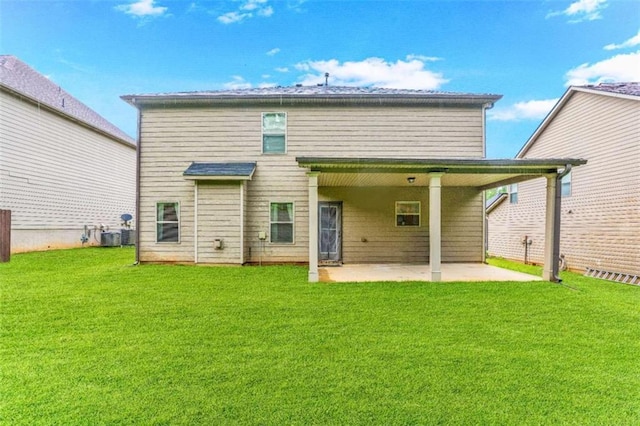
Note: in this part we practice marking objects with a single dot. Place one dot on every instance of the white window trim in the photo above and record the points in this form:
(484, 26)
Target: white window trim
(286, 136)
(177, 203)
(419, 214)
(511, 191)
(293, 223)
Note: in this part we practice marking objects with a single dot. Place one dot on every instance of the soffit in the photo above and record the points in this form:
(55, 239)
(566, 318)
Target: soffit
(480, 173)
(421, 179)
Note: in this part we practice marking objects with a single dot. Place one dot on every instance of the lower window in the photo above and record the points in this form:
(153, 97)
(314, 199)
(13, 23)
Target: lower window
(167, 222)
(281, 222)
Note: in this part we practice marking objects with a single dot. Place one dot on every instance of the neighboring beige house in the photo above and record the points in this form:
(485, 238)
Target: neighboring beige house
(317, 175)
(62, 166)
(600, 201)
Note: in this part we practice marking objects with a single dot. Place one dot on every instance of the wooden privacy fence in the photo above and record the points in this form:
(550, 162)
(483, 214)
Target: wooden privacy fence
(5, 235)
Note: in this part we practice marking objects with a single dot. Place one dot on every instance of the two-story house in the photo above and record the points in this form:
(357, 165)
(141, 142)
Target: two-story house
(600, 201)
(65, 171)
(318, 175)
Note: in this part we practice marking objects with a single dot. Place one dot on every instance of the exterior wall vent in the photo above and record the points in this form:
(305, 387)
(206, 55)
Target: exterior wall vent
(619, 277)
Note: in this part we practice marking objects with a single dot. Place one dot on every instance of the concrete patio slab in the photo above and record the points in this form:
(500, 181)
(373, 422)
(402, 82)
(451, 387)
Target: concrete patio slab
(411, 272)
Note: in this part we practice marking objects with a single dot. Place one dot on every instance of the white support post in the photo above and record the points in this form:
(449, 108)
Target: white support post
(195, 221)
(313, 226)
(435, 212)
(242, 222)
(549, 229)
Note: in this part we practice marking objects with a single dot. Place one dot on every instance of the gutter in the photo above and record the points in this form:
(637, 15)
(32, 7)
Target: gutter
(287, 99)
(555, 266)
(138, 161)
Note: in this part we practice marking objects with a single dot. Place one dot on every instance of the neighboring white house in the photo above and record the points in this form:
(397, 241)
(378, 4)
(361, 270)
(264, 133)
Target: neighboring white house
(318, 174)
(600, 201)
(64, 170)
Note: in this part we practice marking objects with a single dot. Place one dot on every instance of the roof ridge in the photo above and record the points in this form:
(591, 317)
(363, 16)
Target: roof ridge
(299, 89)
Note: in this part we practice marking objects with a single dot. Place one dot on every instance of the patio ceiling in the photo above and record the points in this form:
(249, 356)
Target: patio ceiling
(480, 173)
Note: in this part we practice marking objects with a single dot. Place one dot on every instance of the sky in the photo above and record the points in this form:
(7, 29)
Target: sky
(528, 51)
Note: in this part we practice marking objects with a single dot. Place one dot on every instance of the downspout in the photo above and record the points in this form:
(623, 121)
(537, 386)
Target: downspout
(138, 161)
(485, 233)
(555, 266)
(485, 108)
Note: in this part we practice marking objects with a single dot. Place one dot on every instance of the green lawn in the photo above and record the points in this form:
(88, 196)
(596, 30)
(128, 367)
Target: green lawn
(87, 338)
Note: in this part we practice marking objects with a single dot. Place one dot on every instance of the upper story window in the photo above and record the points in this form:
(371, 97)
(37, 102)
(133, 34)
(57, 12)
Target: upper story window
(407, 213)
(274, 133)
(168, 222)
(565, 185)
(513, 193)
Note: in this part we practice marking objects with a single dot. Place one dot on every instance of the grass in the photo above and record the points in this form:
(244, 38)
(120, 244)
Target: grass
(87, 338)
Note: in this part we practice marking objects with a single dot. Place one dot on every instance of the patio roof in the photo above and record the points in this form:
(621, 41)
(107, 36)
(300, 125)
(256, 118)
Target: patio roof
(480, 173)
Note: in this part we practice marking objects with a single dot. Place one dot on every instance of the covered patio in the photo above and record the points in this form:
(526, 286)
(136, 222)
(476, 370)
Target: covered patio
(430, 176)
(411, 272)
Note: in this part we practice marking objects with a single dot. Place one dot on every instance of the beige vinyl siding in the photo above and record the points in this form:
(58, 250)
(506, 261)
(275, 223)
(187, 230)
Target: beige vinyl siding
(351, 132)
(369, 214)
(370, 234)
(219, 218)
(174, 137)
(277, 179)
(387, 132)
(509, 223)
(57, 176)
(462, 228)
(601, 218)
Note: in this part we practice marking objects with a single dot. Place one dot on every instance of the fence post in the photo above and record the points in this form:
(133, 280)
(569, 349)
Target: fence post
(5, 235)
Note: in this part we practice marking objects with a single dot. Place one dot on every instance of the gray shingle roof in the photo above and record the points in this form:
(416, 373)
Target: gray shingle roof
(221, 170)
(19, 77)
(319, 90)
(632, 88)
(299, 92)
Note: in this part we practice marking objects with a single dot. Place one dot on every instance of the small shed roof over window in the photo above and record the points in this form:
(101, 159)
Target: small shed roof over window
(220, 171)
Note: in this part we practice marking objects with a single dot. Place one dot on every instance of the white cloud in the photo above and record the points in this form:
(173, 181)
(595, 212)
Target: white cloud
(529, 110)
(423, 58)
(252, 4)
(142, 8)
(619, 68)
(375, 72)
(247, 9)
(296, 5)
(582, 10)
(232, 17)
(282, 69)
(238, 82)
(273, 52)
(633, 41)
